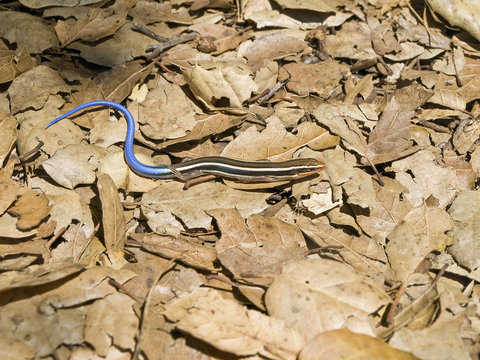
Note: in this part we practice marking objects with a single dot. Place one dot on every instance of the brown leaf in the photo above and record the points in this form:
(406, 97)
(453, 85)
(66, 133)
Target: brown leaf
(100, 23)
(335, 344)
(27, 31)
(36, 275)
(188, 252)
(32, 88)
(256, 249)
(465, 210)
(390, 138)
(31, 208)
(420, 232)
(390, 208)
(167, 113)
(8, 135)
(321, 78)
(343, 126)
(104, 327)
(118, 82)
(270, 47)
(210, 85)
(361, 252)
(113, 219)
(230, 327)
(326, 295)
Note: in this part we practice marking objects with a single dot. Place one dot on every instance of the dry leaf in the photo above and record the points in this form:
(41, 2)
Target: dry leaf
(36, 275)
(463, 14)
(104, 328)
(167, 113)
(275, 143)
(27, 31)
(32, 88)
(338, 344)
(31, 208)
(258, 249)
(124, 46)
(326, 295)
(423, 177)
(184, 250)
(228, 83)
(390, 208)
(66, 206)
(361, 252)
(270, 47)
(100, 23)
(123, 177)
(190, 205)
(74, 164)
(321, 78)
(113, 219)
(464, 211)
(390, 138)
(420, 232)
(8, 135)
(422, 343)
(233, 328)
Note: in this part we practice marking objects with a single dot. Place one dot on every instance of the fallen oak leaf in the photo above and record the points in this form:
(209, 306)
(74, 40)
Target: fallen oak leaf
(231, 327)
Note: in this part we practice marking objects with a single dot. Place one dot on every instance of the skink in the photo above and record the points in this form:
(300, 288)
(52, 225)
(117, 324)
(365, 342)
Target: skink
(239, 170)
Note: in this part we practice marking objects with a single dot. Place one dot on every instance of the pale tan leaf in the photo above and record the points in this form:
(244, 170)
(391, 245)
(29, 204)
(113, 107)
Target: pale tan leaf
(390, 208)
(464, 14)
(118, 82)
(352, 41)
(343, 126)
(36, 275)
(114, 165)
(186, 251)
(326, 295)
(31, 208)
(449, 98)
(8, 193)
(190, 205)
(27, 31)
(32, 88)
(273, 46)
(66, 206)
(116, 50)
(8, 228)
(114, 228)
(420, 232)
(465, 212)
(104, 327)
(100, 23)
(258, 248)
(275, 143)
(231, 327)
(424, 342)
(74, 164)
(336, 344)
(466, 134)
(361, 252)
(36, 322)
(422, 176)
(321, 78)
(8, 70)
(13, 349)
(8, 135)
(233, 83)
(167, 113)
(357, 184)
(390, 138)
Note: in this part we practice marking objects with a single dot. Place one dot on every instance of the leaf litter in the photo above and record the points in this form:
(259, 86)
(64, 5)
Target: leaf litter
(375, 257)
